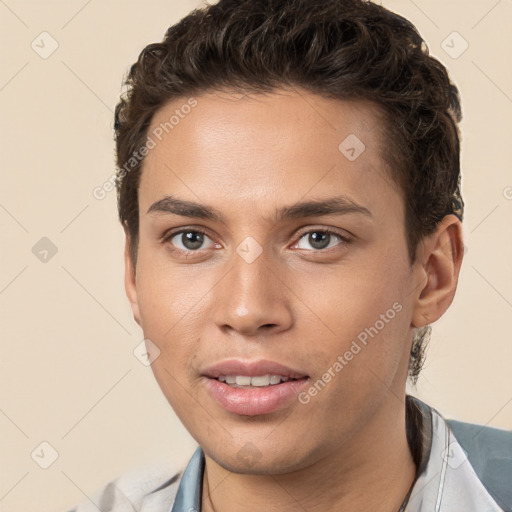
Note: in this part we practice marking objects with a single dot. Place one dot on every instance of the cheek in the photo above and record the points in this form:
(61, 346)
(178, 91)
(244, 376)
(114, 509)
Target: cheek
(365, 314)
(172, 307)
(354, 296)
(169, 297)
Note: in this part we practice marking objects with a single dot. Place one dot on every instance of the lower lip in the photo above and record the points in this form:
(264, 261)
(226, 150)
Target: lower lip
(254, 401)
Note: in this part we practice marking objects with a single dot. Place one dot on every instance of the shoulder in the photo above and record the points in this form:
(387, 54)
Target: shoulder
(150, 487)
(489, 451)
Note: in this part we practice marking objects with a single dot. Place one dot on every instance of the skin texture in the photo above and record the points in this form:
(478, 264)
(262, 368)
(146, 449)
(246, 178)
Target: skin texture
(247, 156)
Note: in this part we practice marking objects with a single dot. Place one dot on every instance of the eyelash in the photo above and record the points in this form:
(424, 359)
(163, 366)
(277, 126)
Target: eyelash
(169, 236)
(344, 239)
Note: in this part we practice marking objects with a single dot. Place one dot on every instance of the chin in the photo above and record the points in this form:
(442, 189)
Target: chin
(268, 460)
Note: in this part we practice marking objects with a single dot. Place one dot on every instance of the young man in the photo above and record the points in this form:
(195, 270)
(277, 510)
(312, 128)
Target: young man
(289, 187)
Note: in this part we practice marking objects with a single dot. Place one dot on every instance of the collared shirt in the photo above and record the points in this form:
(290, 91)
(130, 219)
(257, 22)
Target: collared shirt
(445, 480)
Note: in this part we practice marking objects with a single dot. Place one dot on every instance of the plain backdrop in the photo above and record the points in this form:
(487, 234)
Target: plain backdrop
(69, 378)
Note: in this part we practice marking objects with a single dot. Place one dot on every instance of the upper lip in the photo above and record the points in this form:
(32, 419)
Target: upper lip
(251, 369)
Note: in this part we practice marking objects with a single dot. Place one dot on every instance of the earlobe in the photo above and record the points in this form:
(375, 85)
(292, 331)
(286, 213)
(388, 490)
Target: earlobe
(438, 264)
(130, 279)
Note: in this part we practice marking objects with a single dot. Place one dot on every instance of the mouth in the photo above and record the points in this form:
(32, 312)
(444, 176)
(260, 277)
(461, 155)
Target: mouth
(252, 373)
(252, 388)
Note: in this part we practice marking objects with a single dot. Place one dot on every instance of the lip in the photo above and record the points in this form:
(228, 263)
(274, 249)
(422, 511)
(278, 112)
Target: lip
(251, 369)
(255, 401)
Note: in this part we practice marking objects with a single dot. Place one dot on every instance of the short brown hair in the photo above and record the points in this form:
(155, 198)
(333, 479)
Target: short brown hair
(342, 49)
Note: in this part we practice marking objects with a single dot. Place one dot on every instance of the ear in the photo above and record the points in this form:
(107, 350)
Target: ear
(130, 283)
(438, 262)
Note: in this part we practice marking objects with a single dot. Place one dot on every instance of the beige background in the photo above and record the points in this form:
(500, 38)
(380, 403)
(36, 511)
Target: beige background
(68, 373)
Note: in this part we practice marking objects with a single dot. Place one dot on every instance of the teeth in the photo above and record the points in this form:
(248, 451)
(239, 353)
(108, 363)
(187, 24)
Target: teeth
(242, 380)
(257, 381)
(275, 379)
(264, 380)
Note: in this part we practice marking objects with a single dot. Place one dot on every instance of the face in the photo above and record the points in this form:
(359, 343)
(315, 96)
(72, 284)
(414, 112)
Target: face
(273, 276)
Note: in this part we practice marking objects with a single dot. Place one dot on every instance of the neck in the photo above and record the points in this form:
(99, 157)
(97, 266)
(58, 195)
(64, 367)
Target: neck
(374, 470)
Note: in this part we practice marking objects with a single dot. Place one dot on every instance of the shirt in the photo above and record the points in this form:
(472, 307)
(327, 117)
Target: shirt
(446, 478)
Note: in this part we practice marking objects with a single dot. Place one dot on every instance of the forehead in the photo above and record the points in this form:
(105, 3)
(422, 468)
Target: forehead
(256, 149)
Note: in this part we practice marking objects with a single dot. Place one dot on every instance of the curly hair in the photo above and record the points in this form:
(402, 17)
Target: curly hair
(341, 49)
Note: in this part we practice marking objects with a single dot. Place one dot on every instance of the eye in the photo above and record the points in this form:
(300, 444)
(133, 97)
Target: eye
(320, 239)
(190, 240)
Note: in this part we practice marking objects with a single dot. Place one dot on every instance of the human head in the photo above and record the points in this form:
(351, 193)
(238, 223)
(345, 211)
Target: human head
(342, 49)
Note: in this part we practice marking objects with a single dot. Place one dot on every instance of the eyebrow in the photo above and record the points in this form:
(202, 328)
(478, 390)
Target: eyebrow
(339, 205)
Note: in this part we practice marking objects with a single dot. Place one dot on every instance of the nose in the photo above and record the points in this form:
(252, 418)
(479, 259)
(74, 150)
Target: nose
(252, 300)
